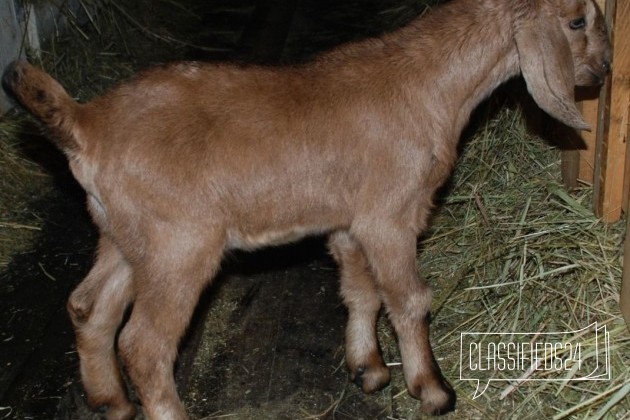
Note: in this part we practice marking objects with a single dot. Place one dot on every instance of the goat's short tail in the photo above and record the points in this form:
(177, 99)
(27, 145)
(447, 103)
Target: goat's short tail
(46, 99)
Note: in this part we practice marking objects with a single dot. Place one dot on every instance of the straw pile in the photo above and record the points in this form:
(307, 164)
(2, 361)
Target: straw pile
(509, 251)
(18, 179)
(103, 44)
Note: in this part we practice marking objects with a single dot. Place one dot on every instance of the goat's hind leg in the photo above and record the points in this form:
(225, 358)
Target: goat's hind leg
(97, 307)
(363, 302)
(168, 285)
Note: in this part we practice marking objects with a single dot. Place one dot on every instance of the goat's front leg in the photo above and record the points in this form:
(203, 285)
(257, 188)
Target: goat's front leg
(97, 307)
(391, 252)
(358, 290)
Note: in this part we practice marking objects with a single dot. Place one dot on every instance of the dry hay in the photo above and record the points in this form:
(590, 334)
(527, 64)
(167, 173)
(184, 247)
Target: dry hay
(103, 45)
(509, 250)
(19, 178)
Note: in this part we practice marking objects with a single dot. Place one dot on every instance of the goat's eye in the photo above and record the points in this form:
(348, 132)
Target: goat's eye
(577, 23)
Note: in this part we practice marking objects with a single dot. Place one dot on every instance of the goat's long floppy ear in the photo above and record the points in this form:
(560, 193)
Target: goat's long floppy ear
(547, 66)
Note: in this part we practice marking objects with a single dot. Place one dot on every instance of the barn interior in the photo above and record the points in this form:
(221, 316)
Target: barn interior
(510, 248)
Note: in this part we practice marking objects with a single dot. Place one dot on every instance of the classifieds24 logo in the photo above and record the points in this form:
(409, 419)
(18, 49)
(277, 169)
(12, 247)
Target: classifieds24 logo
(581, 355)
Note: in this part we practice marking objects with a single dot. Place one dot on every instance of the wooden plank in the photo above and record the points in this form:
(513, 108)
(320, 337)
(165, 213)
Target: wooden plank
(10, 44)
(624, 293)
(590, 109)
(570, 167)
(611, 150)
(626, 179)
(586, 155)
(578, 148)
(571, 145)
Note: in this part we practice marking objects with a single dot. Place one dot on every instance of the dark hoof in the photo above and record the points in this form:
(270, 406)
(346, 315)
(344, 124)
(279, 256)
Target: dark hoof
(438, 399)
(371, 379)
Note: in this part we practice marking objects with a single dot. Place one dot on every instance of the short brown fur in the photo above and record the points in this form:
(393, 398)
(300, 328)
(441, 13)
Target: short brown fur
(188, 160)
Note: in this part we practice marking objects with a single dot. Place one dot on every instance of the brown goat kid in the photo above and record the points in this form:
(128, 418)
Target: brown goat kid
(188, 160)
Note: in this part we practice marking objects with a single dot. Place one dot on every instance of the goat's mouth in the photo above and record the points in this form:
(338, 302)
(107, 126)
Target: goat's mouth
(594, 73)
(591, 77)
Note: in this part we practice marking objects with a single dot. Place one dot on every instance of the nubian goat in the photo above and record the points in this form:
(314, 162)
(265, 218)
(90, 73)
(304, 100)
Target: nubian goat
(189, 160)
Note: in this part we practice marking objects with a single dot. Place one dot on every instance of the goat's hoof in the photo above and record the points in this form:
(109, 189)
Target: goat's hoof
(371, 379)
(115, 408)
(439, 405)
(125, 411)
(438, 397)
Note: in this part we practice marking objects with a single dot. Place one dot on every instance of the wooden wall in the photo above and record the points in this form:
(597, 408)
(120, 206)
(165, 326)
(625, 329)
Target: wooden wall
(603, 163)
(10, 43)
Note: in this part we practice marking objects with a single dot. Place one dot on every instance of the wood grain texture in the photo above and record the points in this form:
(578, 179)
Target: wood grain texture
(624, 293)
(590, 109)
(610, 157)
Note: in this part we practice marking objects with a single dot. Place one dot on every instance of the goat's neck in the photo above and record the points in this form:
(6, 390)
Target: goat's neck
(461, 63)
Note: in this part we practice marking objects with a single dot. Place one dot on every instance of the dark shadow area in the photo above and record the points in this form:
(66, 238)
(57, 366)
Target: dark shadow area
(36, 355)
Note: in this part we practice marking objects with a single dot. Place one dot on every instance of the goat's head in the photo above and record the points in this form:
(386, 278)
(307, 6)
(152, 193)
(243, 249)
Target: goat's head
(561, 44)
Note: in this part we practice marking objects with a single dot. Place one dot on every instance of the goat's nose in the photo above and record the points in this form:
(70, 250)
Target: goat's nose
(607, 66)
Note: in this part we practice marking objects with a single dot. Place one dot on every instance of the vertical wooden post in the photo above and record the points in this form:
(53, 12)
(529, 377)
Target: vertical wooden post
(609, 183)
(624, 293)
(10, 43)
(579, 164)
(586, 156)
(626, 179)
(570, 168)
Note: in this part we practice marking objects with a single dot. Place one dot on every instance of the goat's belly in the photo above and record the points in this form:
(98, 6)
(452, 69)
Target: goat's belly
(244, 240)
